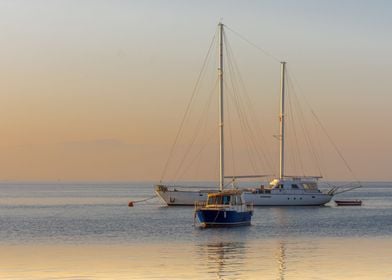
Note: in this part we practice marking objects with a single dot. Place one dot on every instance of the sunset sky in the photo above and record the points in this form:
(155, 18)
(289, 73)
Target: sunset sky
(95, 90)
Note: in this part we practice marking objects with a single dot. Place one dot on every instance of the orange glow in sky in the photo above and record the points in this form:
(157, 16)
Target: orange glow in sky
(97, 91)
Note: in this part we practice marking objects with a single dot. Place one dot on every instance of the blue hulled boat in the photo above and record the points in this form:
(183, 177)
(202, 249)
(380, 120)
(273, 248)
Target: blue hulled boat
(224, 209)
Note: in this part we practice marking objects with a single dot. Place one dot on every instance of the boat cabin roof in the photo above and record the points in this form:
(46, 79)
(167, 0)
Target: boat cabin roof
(226, 198)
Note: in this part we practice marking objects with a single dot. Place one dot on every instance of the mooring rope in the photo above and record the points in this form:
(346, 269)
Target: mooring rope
(132, 202)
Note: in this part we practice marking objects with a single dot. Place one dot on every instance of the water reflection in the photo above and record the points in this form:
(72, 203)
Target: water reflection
(224, 259)
(288, 258)
(281, 259)
(239, 260)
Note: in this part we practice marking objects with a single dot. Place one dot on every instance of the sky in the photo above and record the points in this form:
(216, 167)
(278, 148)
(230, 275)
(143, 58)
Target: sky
(95, 90)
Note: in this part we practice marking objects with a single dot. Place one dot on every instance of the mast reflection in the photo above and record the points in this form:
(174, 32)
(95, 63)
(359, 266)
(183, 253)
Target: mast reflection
(281, 260)
(224, 259)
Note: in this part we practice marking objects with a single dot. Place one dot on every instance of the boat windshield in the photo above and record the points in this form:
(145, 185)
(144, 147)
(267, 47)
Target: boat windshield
(214, 200)
(226, 199)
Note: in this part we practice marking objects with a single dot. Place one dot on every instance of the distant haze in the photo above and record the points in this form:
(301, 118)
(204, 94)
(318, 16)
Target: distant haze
(95, 90)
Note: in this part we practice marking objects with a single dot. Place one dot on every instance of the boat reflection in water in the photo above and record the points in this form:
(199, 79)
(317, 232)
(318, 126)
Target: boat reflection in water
(226, 260)
(237, 260)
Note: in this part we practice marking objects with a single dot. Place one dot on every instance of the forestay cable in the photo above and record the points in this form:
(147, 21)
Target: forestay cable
(195, 89)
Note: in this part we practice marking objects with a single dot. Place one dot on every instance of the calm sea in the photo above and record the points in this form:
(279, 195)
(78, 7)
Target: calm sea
(87, 231)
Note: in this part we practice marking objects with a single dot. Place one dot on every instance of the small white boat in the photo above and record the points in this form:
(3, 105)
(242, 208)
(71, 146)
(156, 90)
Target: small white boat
(347, 202)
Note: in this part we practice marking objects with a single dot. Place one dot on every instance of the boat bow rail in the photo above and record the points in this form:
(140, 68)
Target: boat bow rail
(161, 188)
(166, 188)
(341, 189)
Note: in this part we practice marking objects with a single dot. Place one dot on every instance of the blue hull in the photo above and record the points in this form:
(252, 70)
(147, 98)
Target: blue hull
(223, 218)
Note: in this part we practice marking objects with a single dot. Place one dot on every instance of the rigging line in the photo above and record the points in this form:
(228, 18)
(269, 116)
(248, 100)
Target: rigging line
(328, 136)
(244, 131)
(289, 157)
(295, 132)
(188, 106)
(247, 130)
(335, 146)
(288, 139)
(319, 152)
(301, 129)
(236, 103)
(312, 149)
(266, 155)
(238, 107)
(243, 115)
(204, 131)
(197, 129)
(305, 131)
(236, 98)
(258, 130)
(293, 114)
(243, 126)
(254, 45)
(231, 138)
(198, 154)
(309, 142)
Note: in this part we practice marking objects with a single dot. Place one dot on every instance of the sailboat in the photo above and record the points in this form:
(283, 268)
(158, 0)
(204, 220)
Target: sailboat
(282, 191)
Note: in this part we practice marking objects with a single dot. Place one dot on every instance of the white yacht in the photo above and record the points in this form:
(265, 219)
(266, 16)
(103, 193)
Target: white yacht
(290, 191)
(282, 191)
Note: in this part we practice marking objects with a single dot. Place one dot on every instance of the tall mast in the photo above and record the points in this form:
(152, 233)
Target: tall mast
(220, 74)
(281, 118)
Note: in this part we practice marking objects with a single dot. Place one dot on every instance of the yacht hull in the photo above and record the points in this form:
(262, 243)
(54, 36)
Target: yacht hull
(175, 197)
(288, 199)
(188, 198)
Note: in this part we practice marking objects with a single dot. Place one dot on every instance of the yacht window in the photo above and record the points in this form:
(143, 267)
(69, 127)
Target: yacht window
(211, 200)
(280, 186)
(310, 186)
(294, 186)
(226, 199)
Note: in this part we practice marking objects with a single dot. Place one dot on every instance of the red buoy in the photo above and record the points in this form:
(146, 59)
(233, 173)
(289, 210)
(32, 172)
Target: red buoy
(130, 204)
